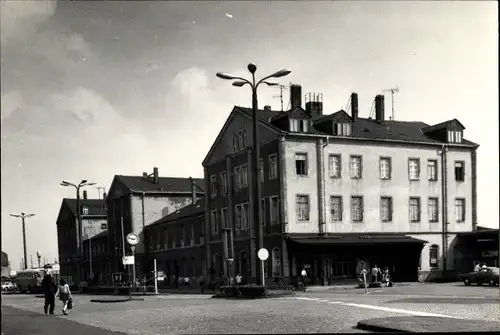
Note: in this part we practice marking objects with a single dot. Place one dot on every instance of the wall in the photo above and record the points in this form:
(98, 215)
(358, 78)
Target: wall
(426, 272)
(371, 187)
(92, 227)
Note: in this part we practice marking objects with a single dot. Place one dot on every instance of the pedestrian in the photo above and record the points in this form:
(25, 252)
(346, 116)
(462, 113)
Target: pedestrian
(375, 273)
(477, 268)
(484, 266)
(201, 282)
(49, 290)
(65, 296)
(303, 273)
(186, 282)
(362, 277)
(239, 279)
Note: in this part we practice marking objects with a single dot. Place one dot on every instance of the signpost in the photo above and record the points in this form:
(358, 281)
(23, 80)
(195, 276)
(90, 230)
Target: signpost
(263, 255)
(132, 240)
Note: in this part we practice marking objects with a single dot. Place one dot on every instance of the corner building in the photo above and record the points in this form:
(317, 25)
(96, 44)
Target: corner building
(340, 192)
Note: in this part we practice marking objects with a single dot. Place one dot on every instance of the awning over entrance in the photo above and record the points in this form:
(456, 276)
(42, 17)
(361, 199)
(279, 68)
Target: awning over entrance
(355, 239)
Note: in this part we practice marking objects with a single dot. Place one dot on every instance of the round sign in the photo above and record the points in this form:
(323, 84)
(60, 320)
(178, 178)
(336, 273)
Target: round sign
(132, 238)
(263, 254)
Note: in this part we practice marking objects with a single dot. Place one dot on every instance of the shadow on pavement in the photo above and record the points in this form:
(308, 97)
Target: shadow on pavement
(457, 300)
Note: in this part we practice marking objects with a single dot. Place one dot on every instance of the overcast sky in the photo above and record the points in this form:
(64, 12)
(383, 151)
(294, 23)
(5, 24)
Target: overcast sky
(93, 89)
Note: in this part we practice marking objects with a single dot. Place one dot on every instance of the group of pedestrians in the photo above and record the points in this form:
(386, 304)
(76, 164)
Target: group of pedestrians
(51, 291)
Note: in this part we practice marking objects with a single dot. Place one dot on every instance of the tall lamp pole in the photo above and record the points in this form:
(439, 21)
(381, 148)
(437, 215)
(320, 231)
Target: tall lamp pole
(77, 187)
(23, 217)
(239, 82)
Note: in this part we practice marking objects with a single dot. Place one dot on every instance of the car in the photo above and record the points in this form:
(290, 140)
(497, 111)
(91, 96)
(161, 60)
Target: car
(8, 286)
(488, 275)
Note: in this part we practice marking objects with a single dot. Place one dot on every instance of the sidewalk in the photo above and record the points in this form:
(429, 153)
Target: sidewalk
(419, 324)
(19, 322)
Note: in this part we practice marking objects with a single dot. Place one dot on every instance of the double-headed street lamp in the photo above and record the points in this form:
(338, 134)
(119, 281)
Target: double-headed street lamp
(83, 183)
(239, 82)
(23, 216)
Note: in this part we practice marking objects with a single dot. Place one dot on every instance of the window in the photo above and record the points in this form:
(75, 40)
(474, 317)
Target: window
(454, 136)
(215, 224)
(433, 256)
(303, 209)
(244, 175)
(263, 211)
(273, 166)
(213, 185)
(298, 125)
(237, 217)
(342, 129)
(274, 209)
(241, 216)
(355, 167)
(433, 209)
(85, 210)
(336, 208)
(357, 209)
(261, 170)
(165, 238)
(459, 171)
(334, 166)
(414, 209)
(301, 164)
(413, 169)
(237, 178)
(385, 168)
(432, 173)
(191, 234)
(460, 209)
(173, 241)
(240, 140)
(223, 182)
(386, 209)
(276, 259)
(223, 218)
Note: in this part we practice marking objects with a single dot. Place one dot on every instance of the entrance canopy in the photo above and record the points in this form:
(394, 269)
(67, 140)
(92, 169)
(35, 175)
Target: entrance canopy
(355, 239)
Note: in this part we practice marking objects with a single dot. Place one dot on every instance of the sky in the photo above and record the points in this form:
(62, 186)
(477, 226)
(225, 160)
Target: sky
(93, 89)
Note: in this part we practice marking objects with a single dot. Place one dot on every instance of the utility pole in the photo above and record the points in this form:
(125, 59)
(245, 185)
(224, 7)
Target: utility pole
(392, 90)
(23, 217)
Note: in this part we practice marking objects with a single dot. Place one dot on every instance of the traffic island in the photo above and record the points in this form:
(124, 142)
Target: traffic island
(250, 292)
(418, 324)
(116, 300)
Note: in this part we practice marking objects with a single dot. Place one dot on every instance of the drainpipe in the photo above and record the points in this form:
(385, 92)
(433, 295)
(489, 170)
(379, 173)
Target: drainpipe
(320, 155)
(444, 204)
(145, 242)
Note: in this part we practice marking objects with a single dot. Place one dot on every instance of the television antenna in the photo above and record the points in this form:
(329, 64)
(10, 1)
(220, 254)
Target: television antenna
(99, 188)
(392, 90)
(280, 95)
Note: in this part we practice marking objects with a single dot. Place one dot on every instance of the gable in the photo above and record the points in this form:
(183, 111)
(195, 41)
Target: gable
(237, 120)
(455, 125)
(116, 190)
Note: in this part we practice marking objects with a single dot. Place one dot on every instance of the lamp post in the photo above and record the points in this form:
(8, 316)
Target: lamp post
(239, 82)
(77, 187)
(23, 217)
(91, 272)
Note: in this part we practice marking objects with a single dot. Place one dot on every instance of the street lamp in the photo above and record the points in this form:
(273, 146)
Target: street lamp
(23, 216)
(83, 183)
(239, 82)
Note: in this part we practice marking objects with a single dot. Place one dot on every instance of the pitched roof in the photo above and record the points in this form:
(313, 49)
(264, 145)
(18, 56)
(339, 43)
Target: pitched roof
(5, 259)
(164, 185)
(198, 208)
(95, 206)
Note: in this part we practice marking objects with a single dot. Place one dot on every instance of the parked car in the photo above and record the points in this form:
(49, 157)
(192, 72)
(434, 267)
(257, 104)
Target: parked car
(489, 275)
(8, 286)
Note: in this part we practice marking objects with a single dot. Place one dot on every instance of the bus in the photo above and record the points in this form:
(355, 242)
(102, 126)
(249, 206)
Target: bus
(29, 280)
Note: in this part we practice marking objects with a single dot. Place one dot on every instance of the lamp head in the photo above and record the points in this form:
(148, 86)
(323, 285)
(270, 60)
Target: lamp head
(252, 68)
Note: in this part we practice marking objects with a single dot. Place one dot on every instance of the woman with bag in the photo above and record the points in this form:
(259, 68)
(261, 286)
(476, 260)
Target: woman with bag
(65, 296)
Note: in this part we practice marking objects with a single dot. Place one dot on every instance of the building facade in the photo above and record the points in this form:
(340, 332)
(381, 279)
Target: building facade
(94, 222)
(134, 202)
(340, 192)
(96, 259)
(480, 246)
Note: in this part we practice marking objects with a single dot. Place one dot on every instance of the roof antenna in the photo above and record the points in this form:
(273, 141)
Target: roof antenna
(280, 95)
(372, 109)
(392, 90)
(99, 188)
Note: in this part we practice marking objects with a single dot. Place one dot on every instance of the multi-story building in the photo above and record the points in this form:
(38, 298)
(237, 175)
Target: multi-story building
(341, 192)
(134, 202)
(94, 221)
(177, 242)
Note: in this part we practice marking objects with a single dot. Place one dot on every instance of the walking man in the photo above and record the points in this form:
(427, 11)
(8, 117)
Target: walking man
(49, 290)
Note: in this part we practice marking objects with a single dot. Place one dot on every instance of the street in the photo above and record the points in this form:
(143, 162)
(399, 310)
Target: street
(321, 309)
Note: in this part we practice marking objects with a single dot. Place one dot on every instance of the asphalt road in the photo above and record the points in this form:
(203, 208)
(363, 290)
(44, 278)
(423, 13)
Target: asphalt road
(319, 310)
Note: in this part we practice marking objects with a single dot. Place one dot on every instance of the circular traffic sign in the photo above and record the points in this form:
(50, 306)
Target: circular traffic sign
(132, 238)
(263, 254)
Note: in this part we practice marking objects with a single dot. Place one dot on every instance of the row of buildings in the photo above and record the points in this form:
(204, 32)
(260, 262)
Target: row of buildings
(338, 191)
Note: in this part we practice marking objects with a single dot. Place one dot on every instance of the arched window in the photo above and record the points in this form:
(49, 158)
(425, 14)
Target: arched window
(276, 259)
(433, 256)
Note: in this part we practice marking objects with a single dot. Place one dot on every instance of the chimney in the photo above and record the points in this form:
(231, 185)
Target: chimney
(267, 108)
(193, 190)
(84, 195)
(379, 108)
(104, 195)
(145, 175)
(314, 104)
(155, 175)
(354, 106)
(295, 96)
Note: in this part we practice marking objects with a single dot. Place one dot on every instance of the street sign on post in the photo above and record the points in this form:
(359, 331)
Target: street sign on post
(263, 255)
(128, 260)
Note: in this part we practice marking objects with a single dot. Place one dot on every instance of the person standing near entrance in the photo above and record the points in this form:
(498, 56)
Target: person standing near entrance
(303, 274)
(49, 290)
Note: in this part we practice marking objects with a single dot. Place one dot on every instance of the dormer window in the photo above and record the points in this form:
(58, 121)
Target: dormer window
(299, 125)
(85, 210)
(454, 136)
(342, 129)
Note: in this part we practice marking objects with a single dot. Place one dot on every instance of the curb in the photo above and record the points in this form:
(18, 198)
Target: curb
(380, 329)
(112, 301)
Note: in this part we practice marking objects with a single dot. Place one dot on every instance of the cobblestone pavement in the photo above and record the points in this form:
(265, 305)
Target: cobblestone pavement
(325, 311)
